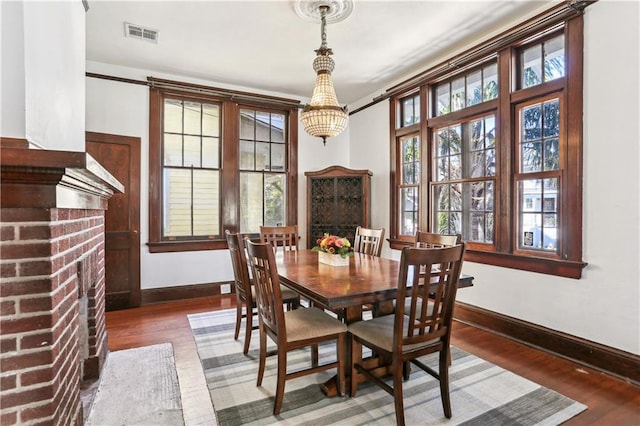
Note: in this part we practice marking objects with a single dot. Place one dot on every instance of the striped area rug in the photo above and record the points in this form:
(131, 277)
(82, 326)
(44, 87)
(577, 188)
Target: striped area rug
(481, 393)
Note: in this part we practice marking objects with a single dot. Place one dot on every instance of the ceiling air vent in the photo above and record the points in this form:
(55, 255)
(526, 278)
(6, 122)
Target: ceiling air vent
(140, 32)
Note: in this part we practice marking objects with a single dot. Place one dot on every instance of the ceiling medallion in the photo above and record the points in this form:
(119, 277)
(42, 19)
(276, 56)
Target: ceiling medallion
(337, 10)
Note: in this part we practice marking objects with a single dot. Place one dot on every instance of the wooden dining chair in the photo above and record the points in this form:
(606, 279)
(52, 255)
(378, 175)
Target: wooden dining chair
(368, 241)
(431, 240)
(405, 336)
(245, 293)
(292, 329)
(285, 237)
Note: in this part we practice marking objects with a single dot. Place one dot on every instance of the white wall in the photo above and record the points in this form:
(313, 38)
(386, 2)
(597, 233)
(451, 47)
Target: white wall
(123, 109)
(312, 156)
(12, 70)
(370, 150)
(54, 67)
(603, 306)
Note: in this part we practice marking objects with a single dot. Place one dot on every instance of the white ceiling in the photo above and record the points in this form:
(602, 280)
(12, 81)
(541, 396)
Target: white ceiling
(265, 45)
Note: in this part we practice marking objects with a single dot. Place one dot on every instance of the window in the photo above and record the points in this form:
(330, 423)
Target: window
(500, 137)
(196, 192)
(408, 163)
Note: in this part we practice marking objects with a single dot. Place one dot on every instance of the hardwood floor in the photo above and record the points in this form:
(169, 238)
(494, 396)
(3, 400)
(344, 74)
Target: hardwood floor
(611, 401)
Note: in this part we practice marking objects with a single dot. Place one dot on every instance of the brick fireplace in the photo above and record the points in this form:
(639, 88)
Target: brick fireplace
(52, 282)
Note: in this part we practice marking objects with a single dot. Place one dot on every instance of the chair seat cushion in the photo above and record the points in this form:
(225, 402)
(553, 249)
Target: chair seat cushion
(379, 332)
(287, 294)
(309, 323)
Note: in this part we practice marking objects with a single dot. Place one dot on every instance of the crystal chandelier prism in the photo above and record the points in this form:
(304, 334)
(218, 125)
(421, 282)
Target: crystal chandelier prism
(323, 117)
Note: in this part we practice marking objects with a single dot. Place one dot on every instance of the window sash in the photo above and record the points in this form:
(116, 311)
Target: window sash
(190, 169)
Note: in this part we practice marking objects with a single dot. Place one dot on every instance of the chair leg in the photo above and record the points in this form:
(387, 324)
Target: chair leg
(314, 355)
(406, 370)
(248, 330)
(263, 355)
(281, 378)
(238, 318)
(444, 382)
(356, 358)
(397, 393)
(340, 346)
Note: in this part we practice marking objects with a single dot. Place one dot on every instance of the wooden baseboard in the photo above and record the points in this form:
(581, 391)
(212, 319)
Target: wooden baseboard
(167, 294)
(13, 143)
(615, 362)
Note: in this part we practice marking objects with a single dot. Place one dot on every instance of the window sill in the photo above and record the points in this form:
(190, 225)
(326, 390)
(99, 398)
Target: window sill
(177, 246)
(561, 268)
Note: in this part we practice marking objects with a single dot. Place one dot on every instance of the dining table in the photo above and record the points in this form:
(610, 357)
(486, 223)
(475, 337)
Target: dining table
(366, 280)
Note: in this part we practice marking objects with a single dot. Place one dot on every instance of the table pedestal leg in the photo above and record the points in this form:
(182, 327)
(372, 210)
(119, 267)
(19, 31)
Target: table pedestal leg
(351, 315)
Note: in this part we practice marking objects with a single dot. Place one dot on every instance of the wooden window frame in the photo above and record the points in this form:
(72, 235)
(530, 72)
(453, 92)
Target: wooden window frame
(503, 252)
(229, 160)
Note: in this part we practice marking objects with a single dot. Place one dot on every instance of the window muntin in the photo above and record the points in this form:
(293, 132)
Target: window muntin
(476, 86)
(542, 62)
(190, 170)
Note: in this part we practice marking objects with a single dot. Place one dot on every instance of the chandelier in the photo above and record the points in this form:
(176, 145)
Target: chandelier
(323, 117)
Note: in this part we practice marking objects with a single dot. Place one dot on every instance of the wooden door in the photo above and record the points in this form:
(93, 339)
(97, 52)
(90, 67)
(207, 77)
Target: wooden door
(120, 155)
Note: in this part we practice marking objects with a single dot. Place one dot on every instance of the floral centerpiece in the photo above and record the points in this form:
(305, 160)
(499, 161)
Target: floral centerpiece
(333, 250)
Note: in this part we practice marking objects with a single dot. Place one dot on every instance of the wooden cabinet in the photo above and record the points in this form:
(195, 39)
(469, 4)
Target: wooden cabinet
(338, 201)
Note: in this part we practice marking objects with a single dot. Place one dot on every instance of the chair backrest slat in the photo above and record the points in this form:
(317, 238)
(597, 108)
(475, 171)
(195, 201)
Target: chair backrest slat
(267, 284)
(368, 241)
(431, 240)
(285, 237)
(429, 317)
